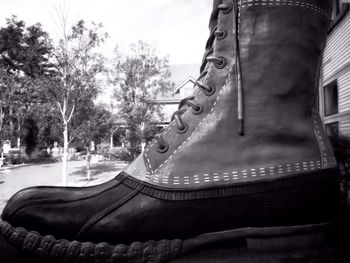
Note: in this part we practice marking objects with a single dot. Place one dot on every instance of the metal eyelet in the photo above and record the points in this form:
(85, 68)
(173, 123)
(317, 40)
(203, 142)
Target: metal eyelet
(199, 110)
(183, 130)
(221, 63)
(221, 34)
(228, 9)
(163, 149)
(211, 91)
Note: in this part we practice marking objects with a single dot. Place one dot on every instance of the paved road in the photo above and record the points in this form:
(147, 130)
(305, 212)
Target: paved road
(13, 180)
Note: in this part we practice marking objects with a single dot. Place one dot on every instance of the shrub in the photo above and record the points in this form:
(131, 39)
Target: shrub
(115, 154)
(40, 156)
(17, 157)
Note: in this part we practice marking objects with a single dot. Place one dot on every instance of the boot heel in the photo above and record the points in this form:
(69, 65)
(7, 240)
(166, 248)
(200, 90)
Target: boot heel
(300, 241)
(299, 237)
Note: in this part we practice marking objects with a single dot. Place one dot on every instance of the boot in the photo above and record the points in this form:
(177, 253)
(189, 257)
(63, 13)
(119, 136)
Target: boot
(246, 151)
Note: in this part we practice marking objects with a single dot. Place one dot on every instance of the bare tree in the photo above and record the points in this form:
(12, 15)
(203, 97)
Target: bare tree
(78, 66)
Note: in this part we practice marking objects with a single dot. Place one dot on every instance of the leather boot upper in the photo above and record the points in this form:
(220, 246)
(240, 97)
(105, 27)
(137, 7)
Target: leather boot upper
(275, 48)
(197, 182)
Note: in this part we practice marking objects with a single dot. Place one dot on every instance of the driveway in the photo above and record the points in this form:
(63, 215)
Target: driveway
(13, 180)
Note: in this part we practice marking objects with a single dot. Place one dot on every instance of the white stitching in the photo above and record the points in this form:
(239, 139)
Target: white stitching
(245, 174)
(152, 144)
(199, 124)
(312, 7)
(171, 125)
(326, 160)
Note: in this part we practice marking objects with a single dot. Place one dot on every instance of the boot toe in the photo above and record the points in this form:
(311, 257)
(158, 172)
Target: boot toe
(22, 200)
(36, 208)
(60, 211)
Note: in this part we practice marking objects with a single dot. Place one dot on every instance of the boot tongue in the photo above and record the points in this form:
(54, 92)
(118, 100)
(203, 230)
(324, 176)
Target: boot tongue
(212, 24)
(214, 16)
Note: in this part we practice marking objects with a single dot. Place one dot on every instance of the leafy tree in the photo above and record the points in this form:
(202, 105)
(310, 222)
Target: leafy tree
(49, 123)
(24, 49)
(24, 55)
(94, 128)
(78, 66)
(31, 135)
(138, 79)
(115, 130)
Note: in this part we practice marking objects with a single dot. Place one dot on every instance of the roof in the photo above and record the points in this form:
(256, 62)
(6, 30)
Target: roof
(175, 96)
(183, 83)
(180, 72)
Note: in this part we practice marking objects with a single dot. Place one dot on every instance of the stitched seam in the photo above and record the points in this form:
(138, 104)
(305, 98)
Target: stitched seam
(173, 124)
(152, 144)
(170, 126)
(210, 112)
(199, 124)
(251, 173)
(239, 18)
(327, 160)
(226, 190)
(247, 3)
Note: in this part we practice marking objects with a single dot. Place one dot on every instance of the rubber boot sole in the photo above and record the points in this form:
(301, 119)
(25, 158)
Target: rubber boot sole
(53, 250)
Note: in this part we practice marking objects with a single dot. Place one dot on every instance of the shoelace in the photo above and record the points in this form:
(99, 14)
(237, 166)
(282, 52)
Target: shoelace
(207, 88)
(239, 84)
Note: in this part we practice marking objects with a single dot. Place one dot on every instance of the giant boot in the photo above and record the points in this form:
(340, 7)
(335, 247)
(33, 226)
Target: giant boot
(248, 150)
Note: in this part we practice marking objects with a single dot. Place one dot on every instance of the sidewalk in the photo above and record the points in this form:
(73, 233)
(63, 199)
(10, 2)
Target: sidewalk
(13, 179)
(11, 167)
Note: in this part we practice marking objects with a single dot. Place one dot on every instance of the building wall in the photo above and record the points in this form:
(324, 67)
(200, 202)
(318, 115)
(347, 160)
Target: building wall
(337, 54)
(168, 109)
(171, 103)
(336, 69)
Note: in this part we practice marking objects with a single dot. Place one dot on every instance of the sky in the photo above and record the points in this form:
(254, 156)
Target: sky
(178, 28)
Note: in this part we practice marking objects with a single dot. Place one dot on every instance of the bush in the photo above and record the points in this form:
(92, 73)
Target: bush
(40, 156)
(17, 157)
(115, 154)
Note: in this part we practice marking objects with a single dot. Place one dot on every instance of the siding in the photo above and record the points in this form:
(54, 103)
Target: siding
(336, 65)
(337, 52)
(344, 92)
(344, 126)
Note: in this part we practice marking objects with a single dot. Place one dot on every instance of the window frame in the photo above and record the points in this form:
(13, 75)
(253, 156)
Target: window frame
(328, 98)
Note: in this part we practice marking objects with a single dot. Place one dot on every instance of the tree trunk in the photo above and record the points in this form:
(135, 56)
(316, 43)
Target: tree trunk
(12, 126)
(65, 154)
(88, 159)
(111, 142)
(2, 116)
(19, 127)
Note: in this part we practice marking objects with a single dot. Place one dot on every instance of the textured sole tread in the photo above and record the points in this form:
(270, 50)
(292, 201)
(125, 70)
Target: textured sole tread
(150, 251)
(76, 252)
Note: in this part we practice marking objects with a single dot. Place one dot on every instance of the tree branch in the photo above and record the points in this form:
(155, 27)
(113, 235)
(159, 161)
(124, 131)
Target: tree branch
(71, 114)
(60, 108)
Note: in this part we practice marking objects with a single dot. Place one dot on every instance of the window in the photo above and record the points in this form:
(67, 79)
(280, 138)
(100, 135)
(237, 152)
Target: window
(340, 8)
(332, 129)
(331, 98)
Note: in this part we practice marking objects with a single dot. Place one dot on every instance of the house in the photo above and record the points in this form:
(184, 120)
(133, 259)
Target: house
(334, 90)
(184, 78)
(170, 102)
